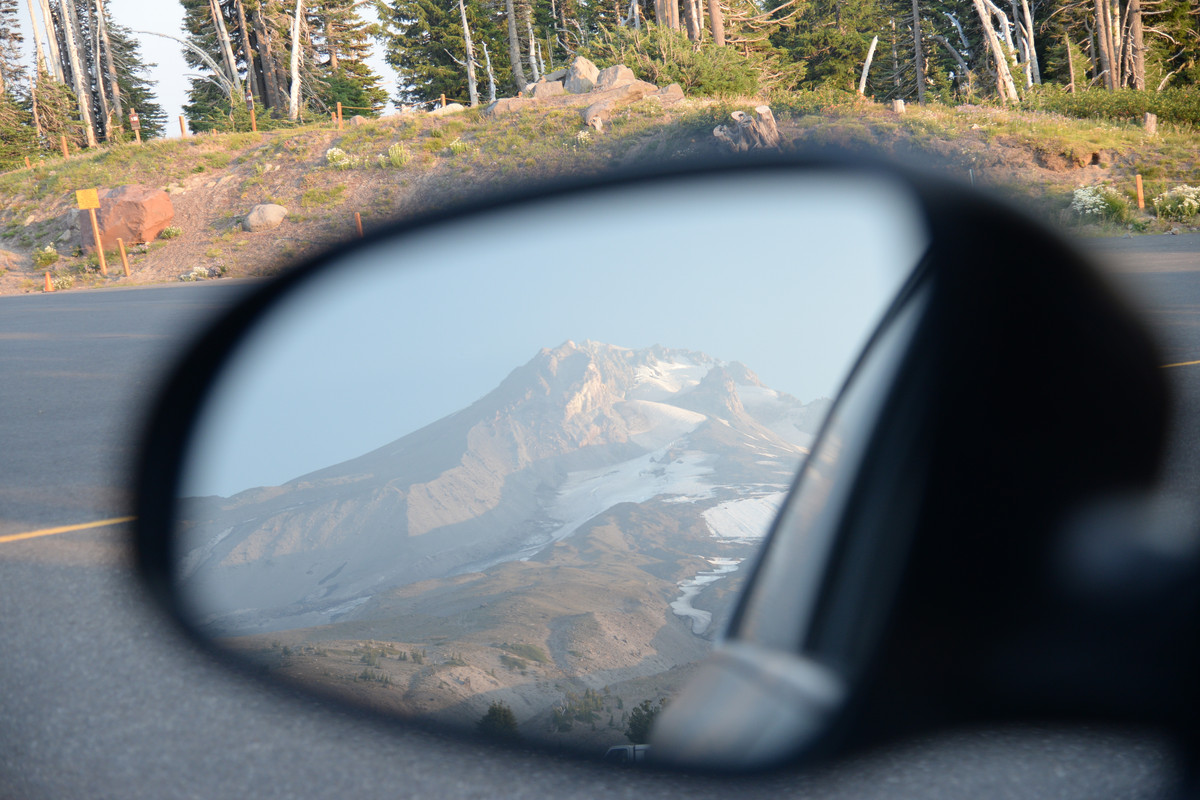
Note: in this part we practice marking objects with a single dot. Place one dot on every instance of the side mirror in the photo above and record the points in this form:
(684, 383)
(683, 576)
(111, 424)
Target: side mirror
(504, 471)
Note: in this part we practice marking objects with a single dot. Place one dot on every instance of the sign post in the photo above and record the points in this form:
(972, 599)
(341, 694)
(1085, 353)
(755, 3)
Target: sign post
(250, 105)
(135, 122)
(89, 200)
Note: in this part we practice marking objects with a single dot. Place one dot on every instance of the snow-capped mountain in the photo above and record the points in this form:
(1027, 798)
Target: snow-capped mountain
(578, 431)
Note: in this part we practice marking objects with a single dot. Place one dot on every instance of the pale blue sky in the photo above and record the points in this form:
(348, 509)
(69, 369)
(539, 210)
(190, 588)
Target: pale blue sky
(788, 277)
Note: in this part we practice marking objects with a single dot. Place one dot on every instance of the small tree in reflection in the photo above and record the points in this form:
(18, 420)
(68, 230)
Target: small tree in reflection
(499, 721)
(641, 720)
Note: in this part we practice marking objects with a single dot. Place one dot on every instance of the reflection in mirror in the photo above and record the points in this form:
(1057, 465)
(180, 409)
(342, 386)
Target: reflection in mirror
(514, 462)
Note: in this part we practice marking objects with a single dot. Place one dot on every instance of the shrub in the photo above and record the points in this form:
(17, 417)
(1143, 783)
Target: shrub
(662, 56)
(45, 257)
(1100, 203)
(338, 158)
(171, 232)
(499, 721)
(1180, 204)
(641, 720)
(1171, 105)
(397, 156)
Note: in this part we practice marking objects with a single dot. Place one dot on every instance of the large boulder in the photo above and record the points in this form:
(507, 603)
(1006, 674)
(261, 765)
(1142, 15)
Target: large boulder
(668, 95)
(543, 89)
(614, 76)
(132, 213)
(557, 75)
(507, 105)
(581, 76)
(449, 108)
(264, 217)
(604, 103)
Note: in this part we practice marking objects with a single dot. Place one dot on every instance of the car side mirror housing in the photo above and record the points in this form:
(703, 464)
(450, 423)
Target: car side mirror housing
(909, 580)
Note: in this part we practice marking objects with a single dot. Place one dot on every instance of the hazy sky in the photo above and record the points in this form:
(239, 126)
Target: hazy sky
(170, 74)
(787, 276)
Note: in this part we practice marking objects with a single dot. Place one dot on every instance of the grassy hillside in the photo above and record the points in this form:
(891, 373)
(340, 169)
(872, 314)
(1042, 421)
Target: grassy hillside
(389, 168)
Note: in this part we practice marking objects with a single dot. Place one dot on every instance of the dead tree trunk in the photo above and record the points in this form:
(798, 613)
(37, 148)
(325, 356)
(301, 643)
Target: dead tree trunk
(218, 17)
(472, 91)
(717, 20)
(294, 88)
(533, 63)
(918, 56)
(749, 133)
(491, 75)
(1004, 81)
(82, 90)
(862, 82)
(1138, 44)
(55, 58)
(266, 58)
(110, 69)
(514, 47)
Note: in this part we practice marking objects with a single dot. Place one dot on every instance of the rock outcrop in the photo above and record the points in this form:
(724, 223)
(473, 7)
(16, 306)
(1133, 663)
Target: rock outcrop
(581, 76)
(132, 213)
(596, 92)
(264, 217)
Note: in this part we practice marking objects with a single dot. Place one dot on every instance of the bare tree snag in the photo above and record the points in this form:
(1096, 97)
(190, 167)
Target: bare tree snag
(294, 90)
(55, 58)
(109, 67)
(918, 56)
(472, 91)
(1004, 81)
(218, 17)
(717, 20)
(82, 89)
(862, 82)
(749, 133)
(514, 47)
(491, 75)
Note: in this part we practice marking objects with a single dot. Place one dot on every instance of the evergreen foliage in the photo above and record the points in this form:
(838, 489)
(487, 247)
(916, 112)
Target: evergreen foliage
(641, 720)
(133, 79)
(499, 722)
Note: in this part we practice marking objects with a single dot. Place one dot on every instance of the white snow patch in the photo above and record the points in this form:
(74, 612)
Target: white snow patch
(588, 493)
(744, 521)
(658, 380)
(663, 423)
(682, 606)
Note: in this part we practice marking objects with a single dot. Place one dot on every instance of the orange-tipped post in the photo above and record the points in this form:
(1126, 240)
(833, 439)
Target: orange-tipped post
(124, 258)
(49, 285)
(358, 223)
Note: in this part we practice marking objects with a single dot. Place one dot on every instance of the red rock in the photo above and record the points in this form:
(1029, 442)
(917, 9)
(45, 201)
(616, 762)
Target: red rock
(133, 213)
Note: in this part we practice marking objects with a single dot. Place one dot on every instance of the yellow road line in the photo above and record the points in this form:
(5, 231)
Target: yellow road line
(1181, 364)
(101, 523)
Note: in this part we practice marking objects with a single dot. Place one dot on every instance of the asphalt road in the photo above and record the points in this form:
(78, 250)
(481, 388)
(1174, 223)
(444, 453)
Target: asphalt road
(99, 698)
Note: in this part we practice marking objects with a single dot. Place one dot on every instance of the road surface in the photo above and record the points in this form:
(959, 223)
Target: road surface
(100, 699)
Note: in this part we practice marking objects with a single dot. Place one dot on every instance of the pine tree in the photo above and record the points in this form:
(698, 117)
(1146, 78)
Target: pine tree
(423, 41)
(137, 89)
(12, 73)
(341, 44)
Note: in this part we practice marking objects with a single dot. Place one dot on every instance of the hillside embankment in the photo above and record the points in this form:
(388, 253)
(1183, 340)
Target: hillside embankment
(393, 167)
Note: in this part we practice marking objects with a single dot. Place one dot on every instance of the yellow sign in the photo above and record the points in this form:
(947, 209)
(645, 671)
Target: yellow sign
(87, 198)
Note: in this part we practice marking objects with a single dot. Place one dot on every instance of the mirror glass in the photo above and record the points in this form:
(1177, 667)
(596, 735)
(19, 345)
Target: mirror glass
(504, 473)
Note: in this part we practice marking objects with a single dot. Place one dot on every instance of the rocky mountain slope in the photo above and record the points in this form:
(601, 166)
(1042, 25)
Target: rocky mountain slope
(590, 513)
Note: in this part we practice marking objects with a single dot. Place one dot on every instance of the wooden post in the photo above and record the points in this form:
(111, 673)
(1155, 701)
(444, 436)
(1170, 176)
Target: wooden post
(49, 285)
(124, 258)
(339, 113)
(1141, 197)
(898, 106)
(253, 120)
(27, 164)
(182, 128)
(358, 223)
(333, 117)
(137, 134)
(444, 99)
(1151, 122)
(99, 247)
(63, 140)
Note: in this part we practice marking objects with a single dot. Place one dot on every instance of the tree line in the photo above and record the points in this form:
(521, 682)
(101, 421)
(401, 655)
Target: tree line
(297, 59)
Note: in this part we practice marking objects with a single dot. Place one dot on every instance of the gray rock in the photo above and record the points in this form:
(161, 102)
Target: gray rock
(544, 89)
(612, 77)
(600, 111)
(357, 120)
(668, 95)
(581, 76)
(507, 105)
(557, 75)
(449, 108)
(264, 217)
